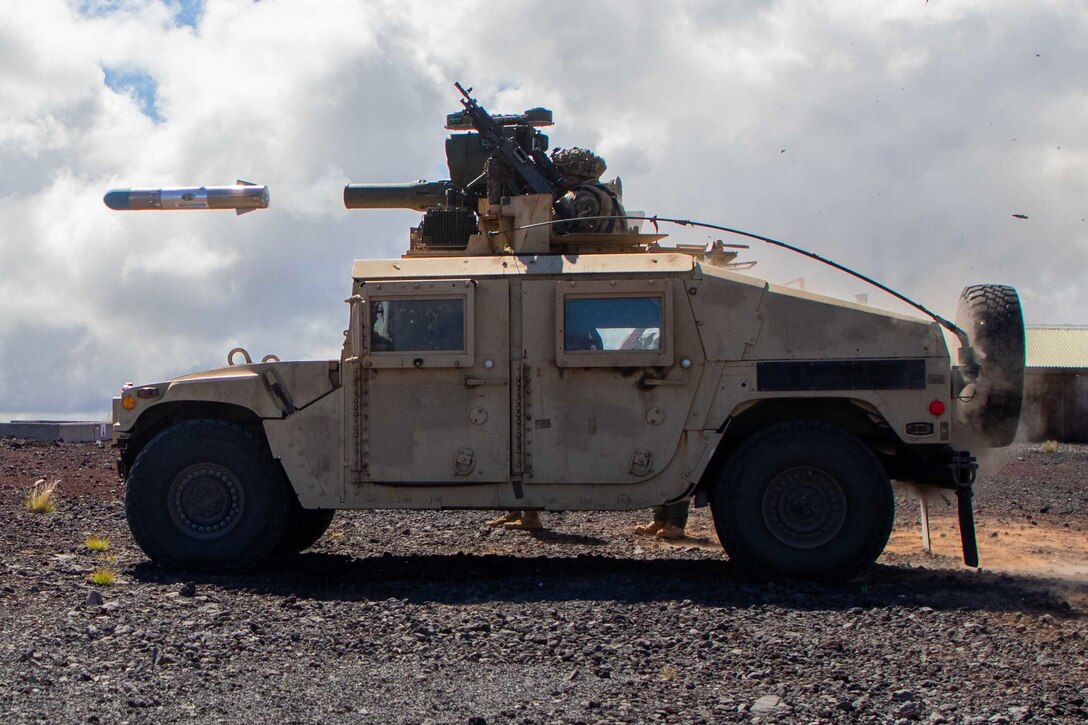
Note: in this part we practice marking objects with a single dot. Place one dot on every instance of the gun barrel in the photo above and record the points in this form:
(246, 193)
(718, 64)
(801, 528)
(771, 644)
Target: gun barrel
(241, 197)
(420, 196)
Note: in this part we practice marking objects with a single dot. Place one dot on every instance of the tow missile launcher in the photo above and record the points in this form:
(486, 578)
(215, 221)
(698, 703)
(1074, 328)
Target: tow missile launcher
(505, 362)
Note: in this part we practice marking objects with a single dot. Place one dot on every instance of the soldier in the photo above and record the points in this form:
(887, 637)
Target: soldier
(587, 195)
(669, 522)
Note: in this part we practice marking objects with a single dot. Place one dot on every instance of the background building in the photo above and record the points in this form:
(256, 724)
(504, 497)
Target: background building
(1056, 384)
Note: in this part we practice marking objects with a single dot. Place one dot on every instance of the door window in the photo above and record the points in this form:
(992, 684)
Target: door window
(622, 323)
(612, 323)
(417, 325)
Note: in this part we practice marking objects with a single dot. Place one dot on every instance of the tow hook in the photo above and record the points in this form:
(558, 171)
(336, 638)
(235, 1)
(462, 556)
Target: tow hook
(964, 469)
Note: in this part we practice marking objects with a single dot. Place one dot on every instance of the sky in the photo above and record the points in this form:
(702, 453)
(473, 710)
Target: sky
(896, 137)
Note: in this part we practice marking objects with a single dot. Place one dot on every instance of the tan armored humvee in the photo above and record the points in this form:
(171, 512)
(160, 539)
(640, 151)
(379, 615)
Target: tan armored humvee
(502, 365)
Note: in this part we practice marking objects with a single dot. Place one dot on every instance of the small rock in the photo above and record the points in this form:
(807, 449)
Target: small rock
(910, 710)
(188, 589)
(1019, 713)
(94, 599)
(768, 703)
(902, 696)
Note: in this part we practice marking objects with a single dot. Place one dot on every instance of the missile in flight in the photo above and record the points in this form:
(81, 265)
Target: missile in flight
(243, 197)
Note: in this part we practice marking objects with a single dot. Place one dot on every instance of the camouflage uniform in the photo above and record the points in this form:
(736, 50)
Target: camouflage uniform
(587, 196)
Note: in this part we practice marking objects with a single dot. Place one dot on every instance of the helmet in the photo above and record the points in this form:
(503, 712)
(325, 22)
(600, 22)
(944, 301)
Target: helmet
(579, 162)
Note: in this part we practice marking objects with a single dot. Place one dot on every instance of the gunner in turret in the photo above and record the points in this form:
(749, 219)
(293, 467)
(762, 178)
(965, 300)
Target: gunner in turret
(587, 196)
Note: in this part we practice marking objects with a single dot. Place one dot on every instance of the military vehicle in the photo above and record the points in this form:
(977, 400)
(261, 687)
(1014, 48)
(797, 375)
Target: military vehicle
(506, 361)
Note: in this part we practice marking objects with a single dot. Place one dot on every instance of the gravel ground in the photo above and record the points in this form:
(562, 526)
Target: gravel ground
(434, 617)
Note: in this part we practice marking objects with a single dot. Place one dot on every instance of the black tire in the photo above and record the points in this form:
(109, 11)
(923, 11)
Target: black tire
(304, 527)
(992, 317)
(803, 500)
(206, 494)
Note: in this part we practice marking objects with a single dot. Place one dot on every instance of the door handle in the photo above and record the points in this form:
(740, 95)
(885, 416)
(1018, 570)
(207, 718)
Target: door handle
(655, 382)
(479, 382)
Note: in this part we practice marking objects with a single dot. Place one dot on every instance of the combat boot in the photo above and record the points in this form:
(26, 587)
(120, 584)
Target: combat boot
(506, 518)
(649, 529)
(671, 531)
(529, 521)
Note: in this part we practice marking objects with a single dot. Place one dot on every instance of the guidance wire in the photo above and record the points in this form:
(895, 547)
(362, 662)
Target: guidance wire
(963, 338)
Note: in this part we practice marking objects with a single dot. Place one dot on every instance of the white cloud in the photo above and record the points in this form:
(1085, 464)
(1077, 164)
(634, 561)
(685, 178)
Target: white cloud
(898, 138)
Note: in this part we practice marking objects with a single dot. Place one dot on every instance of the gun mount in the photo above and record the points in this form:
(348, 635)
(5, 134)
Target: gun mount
(501, 181)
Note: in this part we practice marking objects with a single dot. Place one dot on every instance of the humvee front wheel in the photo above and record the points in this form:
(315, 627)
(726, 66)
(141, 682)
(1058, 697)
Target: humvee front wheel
(206, 494)
(804, 500)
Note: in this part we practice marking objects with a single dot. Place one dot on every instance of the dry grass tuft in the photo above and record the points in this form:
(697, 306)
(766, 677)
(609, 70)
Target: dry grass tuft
(42, 498)
(1050, 446)
(334, 535)
(102, 577)
(97, 543)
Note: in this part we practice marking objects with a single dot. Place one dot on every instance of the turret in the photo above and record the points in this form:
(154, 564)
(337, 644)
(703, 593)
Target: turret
(504, 193)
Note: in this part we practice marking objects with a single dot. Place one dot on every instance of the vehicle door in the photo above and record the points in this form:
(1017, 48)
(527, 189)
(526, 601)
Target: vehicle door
(609, 378)
(434, 397)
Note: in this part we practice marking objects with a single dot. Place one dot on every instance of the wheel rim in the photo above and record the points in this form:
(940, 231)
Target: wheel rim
(206, 501)
(804, 507)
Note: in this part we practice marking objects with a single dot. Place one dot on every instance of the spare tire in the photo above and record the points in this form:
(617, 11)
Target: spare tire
(992, 317)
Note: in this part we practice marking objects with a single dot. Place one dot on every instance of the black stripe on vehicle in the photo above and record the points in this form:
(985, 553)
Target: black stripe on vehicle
(841, 375)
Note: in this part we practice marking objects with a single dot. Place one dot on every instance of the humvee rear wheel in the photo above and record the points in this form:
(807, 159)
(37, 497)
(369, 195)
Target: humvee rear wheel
(206, 494)
(304, 527)
(804, 500)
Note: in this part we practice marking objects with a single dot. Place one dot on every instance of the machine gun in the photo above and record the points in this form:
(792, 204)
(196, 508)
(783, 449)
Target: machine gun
(532, 166)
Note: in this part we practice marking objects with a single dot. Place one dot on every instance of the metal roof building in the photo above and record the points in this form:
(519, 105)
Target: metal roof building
(1057, 346)
(1056, 383)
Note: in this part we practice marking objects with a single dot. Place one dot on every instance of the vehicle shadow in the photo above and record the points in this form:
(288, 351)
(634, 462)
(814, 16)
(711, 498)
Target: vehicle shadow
(475, 578)
(549, 536)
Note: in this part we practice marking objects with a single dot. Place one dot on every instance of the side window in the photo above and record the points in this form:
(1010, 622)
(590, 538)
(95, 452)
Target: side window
(623, 323)
(418, 324)
(612, 323)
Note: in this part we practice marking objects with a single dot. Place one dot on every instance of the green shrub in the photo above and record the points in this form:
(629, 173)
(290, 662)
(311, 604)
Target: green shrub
(102, 577)
(97, 543)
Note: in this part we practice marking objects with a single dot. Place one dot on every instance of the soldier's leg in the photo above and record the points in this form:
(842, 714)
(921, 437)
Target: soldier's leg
(677, 513)
(676, 520)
